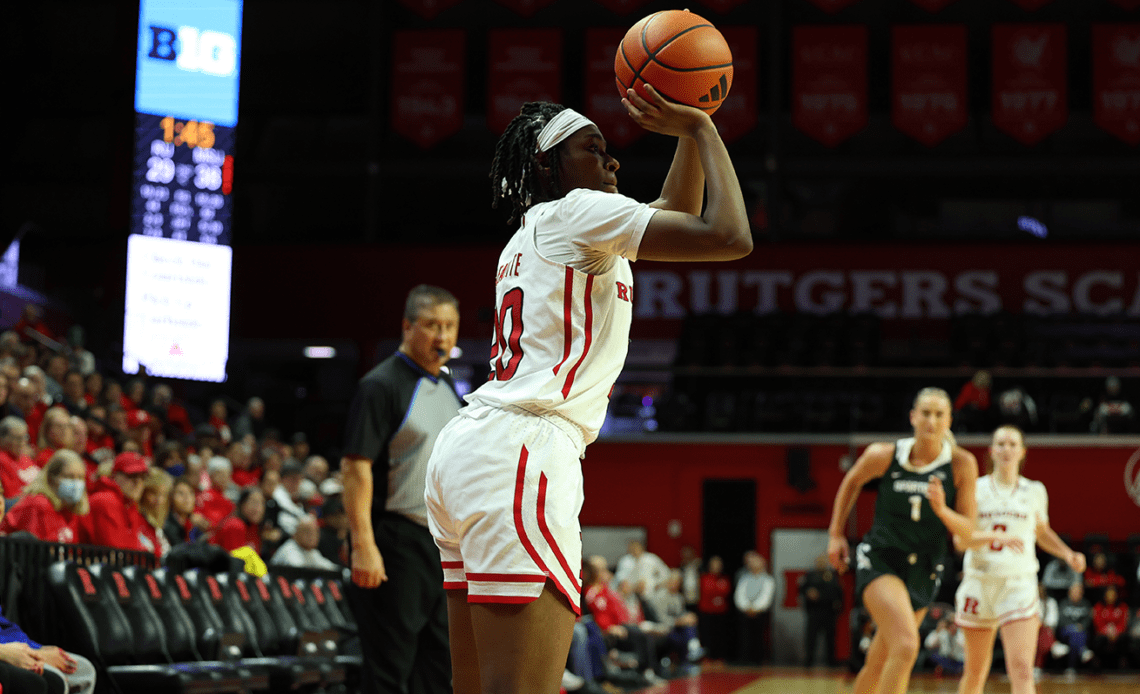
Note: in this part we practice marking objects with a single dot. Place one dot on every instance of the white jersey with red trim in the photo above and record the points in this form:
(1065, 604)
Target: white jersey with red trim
(1012, 509)
(563, 307)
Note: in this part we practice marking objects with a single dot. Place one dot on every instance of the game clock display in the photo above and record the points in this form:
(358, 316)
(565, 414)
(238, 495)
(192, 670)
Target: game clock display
(183, 178)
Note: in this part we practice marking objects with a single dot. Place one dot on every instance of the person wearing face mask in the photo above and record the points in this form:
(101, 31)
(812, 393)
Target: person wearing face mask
(54, 503)
(115, 519)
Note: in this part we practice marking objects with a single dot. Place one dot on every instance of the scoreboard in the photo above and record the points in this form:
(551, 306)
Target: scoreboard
(176, 320)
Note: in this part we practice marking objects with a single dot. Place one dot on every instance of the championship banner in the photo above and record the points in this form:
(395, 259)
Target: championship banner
(621, 7)
(1031, 5)
(1116, 80)
(427, 85)
(428, 9)
(932, 5)
(1030, 91)
(525, 7)
(603, 101)
(737, 115)
(525, 65)
(832, 6)
(829, 81)
(928, 90)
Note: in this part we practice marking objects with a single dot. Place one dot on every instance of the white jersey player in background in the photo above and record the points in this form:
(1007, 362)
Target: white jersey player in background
(999, 588)
(504, 481)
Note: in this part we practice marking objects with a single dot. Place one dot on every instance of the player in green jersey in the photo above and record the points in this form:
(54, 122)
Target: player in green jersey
(926, 492)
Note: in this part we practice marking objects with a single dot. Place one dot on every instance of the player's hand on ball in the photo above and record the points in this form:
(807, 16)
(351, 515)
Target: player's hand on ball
(838, 553)
(368, 566)
(936, 494)
(662, 116)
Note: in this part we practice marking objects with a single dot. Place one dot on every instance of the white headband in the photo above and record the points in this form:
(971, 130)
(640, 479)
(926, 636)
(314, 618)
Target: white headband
(560, 127)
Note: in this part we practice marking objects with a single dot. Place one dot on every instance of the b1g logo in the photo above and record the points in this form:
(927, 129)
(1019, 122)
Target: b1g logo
(195, 50)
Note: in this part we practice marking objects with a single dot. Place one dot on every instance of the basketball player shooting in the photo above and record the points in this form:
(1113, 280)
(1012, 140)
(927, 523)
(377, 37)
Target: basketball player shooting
(504, 485)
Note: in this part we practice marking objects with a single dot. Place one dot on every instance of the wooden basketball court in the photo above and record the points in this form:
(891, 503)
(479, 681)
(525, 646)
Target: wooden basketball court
(820, 681)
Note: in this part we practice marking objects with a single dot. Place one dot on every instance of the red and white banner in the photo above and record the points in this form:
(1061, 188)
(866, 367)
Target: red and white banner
(621, 7)
(525, 7)
(1031, 4)
(603, 101)
(1116, 80)
(737, 115)
(829, 81)
(1030, 88)
(832, 6)
(932, 5)
(525, 65)
(427, 85)
(928, 91)
(429, 8)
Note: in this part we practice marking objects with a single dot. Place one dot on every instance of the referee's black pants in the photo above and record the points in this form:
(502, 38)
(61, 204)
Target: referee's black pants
(403, 622)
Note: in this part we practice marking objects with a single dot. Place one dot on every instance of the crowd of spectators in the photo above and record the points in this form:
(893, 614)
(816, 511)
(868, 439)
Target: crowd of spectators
(87, 459)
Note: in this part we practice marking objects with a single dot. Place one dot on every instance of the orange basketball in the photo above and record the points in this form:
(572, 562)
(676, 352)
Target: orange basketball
(681, 54)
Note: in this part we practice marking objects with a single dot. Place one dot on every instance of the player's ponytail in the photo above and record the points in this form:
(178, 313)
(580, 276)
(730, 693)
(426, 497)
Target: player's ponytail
(514, 174)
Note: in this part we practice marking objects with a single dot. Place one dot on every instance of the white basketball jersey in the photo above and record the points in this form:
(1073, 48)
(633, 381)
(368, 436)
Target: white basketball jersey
(1015, 510)
(561, 335)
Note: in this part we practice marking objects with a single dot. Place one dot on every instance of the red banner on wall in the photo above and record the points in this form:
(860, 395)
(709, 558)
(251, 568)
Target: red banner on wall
(525, 7)
(603, 103)
(429, 8)
(1116, 80)
(737, 115)
(829, 81)
(1030, 90)
(427, 85)
(1031, 4)
(621, 7)
(525, 65)
(928, 68)
(832, 6)
(932, 5)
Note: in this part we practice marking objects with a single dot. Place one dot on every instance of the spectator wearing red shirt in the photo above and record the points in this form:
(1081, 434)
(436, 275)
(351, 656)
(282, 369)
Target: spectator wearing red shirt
(93, 388)
(17, 469)
(24, 403)
(243, 529)
(613, 617)
(115, 520)
(972, 406)
(155, 506)
(55, 433)
(713, 609)
(32, 321)
(217, 420)
(174, 416)
(1100, 576)
(1110, 630)
(98, 436)
(138, 430)
(214, 503)
(54, 503)
(245, 473)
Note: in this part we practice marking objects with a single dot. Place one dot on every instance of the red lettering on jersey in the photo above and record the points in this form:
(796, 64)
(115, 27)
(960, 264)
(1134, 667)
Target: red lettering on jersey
(509, 268)
(971, 606)
(623, 291)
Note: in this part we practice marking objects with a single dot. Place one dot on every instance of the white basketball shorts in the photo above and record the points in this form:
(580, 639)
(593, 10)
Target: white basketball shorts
(987, 602)
(504, 490)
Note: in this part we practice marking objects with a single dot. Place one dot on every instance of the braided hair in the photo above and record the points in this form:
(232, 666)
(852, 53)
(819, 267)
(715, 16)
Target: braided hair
(514, 176)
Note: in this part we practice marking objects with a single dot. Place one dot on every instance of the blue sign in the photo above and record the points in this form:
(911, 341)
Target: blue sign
(189, 56)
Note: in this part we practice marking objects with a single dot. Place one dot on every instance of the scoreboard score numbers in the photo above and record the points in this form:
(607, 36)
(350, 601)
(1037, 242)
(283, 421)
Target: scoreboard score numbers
(176, 319)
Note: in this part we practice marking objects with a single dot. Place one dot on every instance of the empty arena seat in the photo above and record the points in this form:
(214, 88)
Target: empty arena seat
(91, 621)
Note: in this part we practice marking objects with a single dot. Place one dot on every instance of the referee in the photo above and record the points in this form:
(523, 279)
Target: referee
(397, 582)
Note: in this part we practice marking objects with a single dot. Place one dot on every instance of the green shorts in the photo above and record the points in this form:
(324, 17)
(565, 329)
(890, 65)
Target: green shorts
(921, 574)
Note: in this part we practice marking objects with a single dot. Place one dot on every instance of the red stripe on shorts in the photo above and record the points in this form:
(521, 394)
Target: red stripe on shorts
(567, 317)
(455, 585)
(520, 483)
(547, 534)
(513, 599)
(589, 305)
(507, 578)
(452, 564)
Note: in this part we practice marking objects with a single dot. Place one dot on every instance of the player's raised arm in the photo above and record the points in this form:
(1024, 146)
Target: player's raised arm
(722, 232)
